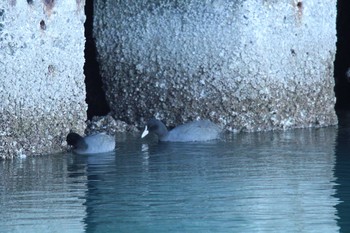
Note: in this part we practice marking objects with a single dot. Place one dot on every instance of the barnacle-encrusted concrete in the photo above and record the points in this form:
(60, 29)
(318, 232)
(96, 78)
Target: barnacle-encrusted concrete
(248, 65)
(42, 91)
(108, 125)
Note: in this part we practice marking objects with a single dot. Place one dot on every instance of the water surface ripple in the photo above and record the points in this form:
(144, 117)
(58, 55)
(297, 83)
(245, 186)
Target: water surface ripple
(257, 182)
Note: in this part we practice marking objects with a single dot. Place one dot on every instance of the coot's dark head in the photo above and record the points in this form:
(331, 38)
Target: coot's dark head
(155, 126)
(74, 140)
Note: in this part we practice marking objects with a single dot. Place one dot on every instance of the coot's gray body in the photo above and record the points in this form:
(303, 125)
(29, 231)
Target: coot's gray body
(92, 144)
(202, 130)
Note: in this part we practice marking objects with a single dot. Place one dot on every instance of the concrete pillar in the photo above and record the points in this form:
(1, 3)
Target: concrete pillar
(42, 91)
(248, 65)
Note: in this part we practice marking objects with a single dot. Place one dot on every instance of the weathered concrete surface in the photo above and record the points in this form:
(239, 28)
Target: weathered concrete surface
(42, 91)
(108, 125)
(245, 64)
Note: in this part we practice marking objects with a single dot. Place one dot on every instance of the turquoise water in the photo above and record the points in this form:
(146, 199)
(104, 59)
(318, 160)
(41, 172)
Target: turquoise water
(292, 181)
